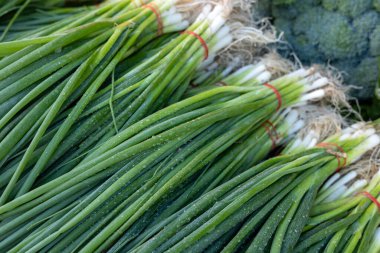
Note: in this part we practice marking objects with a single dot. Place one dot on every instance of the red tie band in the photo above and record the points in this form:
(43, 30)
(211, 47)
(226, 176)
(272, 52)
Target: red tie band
(278, 95)
(371, 197)
(154, 8)
(201, 40)
(272, 133)
(341, 154)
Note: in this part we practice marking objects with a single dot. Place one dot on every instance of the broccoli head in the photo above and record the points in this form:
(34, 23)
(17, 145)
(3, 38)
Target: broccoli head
(345, 33)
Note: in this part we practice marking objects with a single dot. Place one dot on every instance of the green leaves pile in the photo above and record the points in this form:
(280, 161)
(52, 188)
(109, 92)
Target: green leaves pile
(107, 146)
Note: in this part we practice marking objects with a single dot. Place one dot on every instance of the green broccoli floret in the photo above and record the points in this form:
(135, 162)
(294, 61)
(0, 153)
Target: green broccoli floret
(339, 40)
(366, 23)
(365, 75)
(286, 11)
(304, 5)
(330, 5)
(283, 2)
(375, 42)
(354, 8)
(376, 4)
(344, 33)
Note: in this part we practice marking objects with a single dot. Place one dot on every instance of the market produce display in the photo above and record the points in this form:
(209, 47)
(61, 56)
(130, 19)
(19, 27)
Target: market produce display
(167, 126)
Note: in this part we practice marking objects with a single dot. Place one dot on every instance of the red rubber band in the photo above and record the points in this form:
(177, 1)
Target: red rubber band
(270, 136)
(273, 129)
(272, 133)
(372, 198)
(154, 8)
(201, 40)
(338, 156)
(278, 94)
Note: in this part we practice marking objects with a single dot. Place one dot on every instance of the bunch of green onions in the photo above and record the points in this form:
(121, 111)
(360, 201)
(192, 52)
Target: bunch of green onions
(145, 165)
(63, 84)
(142, 90)
(346, 213)
(120, 131)
(344, 225)
(262, 209)
(245, 153)
(159, 80)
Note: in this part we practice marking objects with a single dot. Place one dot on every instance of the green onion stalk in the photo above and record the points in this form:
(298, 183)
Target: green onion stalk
(246, 152)
(144, 90)
(12, 11)
(345, 225)
(263, 209)
(173, 22)
(266, 140)
(246, 76)
(143, 167)
(141, 91)
(14, 233)
(90, 53)
(340, 186)
(30, 21)
(211, 72)
(375, 245)
(117, 12)
(8, 6)
(331, 205)
(299, 144)
(72, 159)
(146, 52)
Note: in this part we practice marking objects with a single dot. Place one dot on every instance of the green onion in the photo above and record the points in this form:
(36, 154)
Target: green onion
(248, 151)
(227, 113)
(101, 63)
(32, 15)
(120, 131)
(349, 223)
(375, 245)
(202, 222)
